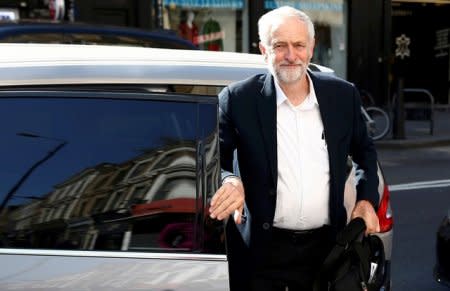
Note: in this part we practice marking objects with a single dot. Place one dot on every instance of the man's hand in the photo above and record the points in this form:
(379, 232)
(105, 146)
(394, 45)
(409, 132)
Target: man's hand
(365, 210)
(229, 199)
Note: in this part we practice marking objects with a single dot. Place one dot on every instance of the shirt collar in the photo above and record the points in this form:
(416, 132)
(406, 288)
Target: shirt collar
(311, 98)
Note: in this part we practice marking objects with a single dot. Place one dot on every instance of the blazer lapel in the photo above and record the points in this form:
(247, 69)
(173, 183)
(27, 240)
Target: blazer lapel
(266, 106)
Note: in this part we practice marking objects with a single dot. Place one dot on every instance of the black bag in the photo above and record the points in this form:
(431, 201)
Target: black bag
(356, 262)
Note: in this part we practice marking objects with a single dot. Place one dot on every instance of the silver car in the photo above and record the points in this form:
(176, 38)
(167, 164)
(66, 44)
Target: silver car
(108, 158)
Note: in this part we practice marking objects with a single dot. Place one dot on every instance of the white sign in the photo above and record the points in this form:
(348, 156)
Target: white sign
(8, 15)
(402, 49)
(442, 45)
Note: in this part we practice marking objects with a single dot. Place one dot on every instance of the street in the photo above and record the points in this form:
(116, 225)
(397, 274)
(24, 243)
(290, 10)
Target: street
(418, 210)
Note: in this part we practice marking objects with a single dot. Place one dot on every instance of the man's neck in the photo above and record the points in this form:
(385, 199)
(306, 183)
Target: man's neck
(296, 92)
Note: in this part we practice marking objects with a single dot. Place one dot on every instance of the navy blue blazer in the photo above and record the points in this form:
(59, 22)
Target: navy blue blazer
(247, 116)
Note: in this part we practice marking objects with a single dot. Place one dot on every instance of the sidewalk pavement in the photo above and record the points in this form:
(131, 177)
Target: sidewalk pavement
(417, 133)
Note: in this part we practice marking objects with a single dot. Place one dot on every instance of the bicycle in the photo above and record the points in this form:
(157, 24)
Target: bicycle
(377, 120)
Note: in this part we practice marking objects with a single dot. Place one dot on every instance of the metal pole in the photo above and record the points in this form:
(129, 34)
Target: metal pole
(399, 124)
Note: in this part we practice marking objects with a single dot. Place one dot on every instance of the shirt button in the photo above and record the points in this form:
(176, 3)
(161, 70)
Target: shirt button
(266, 225)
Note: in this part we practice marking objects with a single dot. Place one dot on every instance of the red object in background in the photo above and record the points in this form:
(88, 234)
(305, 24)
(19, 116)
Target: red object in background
(177, 235)
(384, 212)
(57, 9)
(176, 205)
(189, 33)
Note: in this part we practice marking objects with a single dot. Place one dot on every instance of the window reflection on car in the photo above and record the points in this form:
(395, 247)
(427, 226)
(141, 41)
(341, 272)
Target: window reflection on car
(28, 31)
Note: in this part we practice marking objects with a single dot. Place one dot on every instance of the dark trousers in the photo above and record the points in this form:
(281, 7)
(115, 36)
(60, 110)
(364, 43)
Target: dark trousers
(293, 260)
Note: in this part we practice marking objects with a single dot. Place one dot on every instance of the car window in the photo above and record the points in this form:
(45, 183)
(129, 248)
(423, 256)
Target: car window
(107, 174)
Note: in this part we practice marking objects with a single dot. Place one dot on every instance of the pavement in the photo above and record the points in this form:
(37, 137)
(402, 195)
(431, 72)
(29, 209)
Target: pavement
(417, 133)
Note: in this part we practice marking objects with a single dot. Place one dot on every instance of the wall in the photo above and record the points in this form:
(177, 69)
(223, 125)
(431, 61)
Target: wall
(369, 45)
(427, 26)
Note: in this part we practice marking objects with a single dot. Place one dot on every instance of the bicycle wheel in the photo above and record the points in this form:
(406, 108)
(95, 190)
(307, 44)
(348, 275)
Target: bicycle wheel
(381, 122)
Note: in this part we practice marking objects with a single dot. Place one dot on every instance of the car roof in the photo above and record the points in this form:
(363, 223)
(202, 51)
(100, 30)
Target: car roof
(35, 64)
(58, 64)
(24, 27)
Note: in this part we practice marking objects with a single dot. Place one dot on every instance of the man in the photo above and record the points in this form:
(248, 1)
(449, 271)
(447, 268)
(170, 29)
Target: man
(293, 130)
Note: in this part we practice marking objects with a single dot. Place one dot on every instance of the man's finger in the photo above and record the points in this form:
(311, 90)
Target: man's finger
(218, 195)
(237, 216)
(222, 210)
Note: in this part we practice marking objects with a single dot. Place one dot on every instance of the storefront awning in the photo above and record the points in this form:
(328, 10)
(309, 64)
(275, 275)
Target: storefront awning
(232, 4)
(324, 11)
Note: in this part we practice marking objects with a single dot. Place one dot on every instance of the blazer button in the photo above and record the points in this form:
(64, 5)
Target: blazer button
(266, 225)
(272, 192)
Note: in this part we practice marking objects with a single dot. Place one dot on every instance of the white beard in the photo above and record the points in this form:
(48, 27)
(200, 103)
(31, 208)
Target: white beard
(287, 75)
(290, 75)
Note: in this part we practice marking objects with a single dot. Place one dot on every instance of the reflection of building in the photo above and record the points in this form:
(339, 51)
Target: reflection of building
(24, 218)
(137, 154)
(99, 207)
(158, 175)
(57, 208)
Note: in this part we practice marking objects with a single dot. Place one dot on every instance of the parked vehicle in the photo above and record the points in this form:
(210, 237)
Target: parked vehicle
(23, 31)
(442, 267)
(108, 163)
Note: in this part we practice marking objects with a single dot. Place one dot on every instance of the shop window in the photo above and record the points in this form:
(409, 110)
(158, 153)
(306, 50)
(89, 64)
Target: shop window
(210, 26)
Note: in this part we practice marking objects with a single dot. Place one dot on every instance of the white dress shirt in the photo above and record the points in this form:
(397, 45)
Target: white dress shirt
(303, 167)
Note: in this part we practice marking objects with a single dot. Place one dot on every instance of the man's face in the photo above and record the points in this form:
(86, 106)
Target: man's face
(290, 50)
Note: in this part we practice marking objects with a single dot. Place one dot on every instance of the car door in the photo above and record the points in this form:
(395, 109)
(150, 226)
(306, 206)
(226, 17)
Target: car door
(108, 190)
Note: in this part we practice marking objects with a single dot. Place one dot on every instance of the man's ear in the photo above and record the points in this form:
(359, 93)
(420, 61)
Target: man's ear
(311, 48)
(263, 50)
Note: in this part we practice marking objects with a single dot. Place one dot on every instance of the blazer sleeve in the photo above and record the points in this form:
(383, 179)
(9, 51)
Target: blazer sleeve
(364, 155)
(228, 160)
(227, 133)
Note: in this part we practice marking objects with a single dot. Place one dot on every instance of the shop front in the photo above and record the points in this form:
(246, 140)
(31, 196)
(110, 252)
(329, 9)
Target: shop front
(210, 25)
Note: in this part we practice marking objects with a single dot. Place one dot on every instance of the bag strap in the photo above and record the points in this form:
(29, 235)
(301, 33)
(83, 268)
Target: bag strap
(350, 233)
(353, 231)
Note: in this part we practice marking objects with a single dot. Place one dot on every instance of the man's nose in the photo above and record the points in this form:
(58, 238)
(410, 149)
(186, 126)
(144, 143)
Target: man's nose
(290, 53)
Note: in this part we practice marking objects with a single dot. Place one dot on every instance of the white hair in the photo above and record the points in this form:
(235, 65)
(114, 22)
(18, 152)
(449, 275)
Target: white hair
(267, 20)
